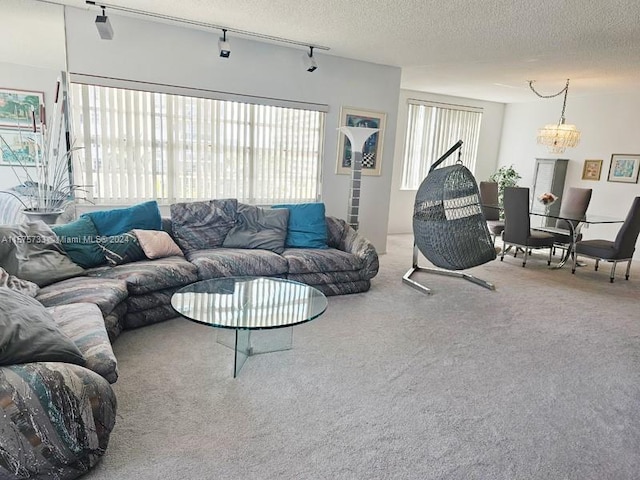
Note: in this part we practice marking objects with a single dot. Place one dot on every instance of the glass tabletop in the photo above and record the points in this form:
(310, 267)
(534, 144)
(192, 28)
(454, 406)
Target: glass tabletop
(588, 218)
(249, 303)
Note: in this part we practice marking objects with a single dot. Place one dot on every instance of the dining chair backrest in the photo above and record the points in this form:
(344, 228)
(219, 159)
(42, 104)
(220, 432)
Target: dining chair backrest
(625, 242)
(489, 196)
(517, 226)
(574, 204)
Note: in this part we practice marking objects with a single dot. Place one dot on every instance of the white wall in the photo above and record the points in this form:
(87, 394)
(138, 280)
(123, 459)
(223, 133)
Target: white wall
(401, 203)
(169, 54)
(608, 123)
(32, 54)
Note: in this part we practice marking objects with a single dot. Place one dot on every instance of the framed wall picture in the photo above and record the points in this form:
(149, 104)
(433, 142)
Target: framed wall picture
(624, 168)
(591, 170)
(17, 147)
(372, 150)
(16, 107)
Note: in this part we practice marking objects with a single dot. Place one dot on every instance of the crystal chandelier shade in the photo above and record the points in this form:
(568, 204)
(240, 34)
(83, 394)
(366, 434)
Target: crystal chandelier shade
(561, 135)
(558, 137)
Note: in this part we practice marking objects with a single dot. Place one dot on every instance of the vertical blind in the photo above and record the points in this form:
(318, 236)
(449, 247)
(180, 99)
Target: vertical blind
(431, 130)
(139, 145)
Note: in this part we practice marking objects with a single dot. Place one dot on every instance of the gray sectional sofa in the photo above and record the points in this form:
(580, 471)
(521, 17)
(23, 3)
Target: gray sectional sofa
(57, 417)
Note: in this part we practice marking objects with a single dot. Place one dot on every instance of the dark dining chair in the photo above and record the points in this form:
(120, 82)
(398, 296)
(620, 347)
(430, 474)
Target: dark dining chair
(620, 250)
(517, 225)
(574, 205)
(490, 208)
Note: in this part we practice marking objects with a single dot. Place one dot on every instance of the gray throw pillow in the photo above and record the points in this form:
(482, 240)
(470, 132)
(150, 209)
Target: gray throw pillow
(28, 333)
(32, 252)
(259, 228)
(203, 225)
(17, 284)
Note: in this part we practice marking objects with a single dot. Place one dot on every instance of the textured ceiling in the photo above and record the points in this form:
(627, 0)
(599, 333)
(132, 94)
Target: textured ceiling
(485, 49)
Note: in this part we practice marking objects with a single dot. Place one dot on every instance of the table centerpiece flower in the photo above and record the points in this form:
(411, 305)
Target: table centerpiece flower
(547, 199)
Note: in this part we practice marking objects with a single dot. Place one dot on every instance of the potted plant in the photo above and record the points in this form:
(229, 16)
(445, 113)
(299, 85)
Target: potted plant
(42, 167)
(505, 177)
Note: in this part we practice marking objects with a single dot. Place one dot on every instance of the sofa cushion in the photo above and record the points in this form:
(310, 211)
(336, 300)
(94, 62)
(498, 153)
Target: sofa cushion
(202, 225)
(32, 252)
(113, 322)
(257, 227)
(120, 220)
(231, 262)
(307, 225)
(17, 284)
(79, 241)
(28, 333)
(83, 323)
(343, 288)
(106, 293)
(148, 317)
(321, 278)
(146, 301)
(121, 249)
(308, 260)
(150, 275)
(157, 244)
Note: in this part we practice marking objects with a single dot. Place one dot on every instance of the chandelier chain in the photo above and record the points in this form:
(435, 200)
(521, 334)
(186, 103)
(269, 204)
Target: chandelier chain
(565, 90)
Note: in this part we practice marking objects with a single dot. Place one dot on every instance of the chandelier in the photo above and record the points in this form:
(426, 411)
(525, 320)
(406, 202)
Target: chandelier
(561, 135)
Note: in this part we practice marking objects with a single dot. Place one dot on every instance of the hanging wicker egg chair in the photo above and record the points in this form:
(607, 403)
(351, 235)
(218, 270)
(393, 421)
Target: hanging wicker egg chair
(449, 227)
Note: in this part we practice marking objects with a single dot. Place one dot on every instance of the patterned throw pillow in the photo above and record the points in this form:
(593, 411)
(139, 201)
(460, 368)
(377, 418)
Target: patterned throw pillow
(121, 249)
(203, 225)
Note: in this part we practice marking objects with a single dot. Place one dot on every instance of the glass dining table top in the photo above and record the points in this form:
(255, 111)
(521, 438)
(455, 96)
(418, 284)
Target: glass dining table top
(249, 303)
(588, 218)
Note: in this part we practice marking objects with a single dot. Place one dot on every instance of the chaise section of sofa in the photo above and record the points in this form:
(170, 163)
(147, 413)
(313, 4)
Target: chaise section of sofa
(57, 409)
(107, 293)
(55, 420)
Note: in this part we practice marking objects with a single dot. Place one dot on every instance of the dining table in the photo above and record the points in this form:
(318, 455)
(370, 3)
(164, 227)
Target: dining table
(575, 223)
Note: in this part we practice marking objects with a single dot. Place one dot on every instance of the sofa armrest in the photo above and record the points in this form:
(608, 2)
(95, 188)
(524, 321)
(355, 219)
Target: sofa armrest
(55, 420)
(344, 237)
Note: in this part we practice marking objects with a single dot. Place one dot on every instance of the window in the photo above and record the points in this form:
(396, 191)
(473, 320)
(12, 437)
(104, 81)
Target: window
(140, 145)
(431, 130)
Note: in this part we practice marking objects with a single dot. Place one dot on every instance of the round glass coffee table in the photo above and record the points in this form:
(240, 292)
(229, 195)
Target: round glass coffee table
(259, 312)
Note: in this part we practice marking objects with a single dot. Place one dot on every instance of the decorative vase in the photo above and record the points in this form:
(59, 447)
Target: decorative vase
(47, 216)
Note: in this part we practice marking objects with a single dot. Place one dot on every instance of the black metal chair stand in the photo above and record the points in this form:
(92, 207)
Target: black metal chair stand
(449, 227)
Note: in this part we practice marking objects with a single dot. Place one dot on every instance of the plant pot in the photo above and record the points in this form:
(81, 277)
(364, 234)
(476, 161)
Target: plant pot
(47, 216)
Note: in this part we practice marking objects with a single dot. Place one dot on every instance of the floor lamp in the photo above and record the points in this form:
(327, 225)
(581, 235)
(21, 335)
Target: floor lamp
(357, 137)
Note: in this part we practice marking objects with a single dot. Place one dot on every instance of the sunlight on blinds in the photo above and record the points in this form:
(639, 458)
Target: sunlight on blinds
(142, 145)
(431, 131)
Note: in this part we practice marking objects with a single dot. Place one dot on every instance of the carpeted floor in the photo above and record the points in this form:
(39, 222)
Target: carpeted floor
(539, 379)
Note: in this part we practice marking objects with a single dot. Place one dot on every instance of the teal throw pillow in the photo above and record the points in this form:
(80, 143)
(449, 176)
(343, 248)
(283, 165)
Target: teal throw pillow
(79, 241)
(121, 249)
(145, 216)
(307, 225)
